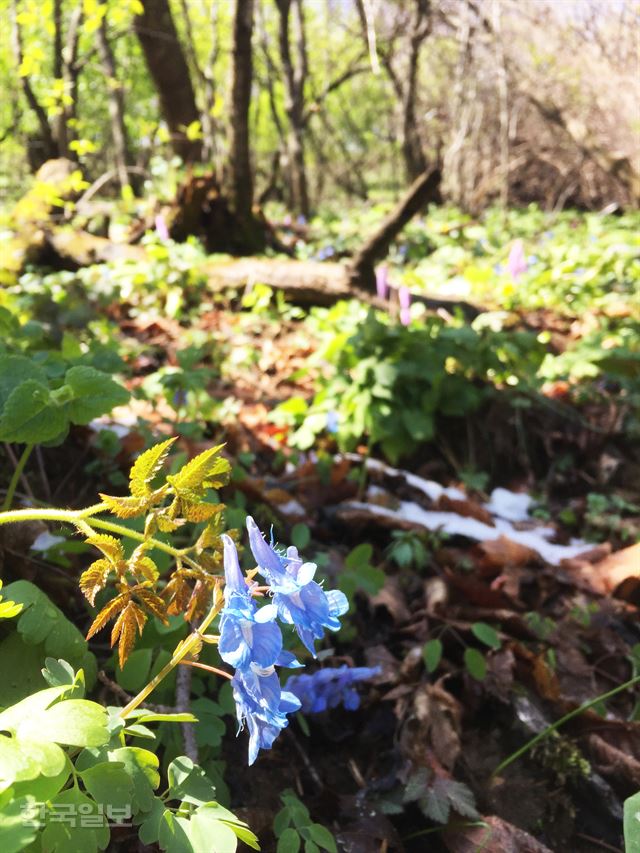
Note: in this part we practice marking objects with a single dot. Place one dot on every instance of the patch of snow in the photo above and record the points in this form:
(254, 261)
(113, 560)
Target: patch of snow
(292, 507)
(457, 525)
(45, 541)
(513, 506)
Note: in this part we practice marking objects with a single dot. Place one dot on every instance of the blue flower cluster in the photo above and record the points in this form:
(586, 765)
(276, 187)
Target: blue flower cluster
(328, 688)
(251, 641)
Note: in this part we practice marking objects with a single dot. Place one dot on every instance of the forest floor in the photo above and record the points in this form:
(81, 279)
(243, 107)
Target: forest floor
(491, 614)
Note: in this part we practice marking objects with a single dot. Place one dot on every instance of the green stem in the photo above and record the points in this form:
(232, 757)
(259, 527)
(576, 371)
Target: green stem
(73, 516)
(26, 453)
(189, 646)
(552, 728)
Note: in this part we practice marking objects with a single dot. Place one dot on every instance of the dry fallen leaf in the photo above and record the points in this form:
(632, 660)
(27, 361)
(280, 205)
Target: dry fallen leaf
(497, 836)
(502, 552)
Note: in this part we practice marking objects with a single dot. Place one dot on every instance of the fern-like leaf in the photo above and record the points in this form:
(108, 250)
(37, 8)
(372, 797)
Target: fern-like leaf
(94, 579)
(109, 545)
(146, 467)
(128, 507)
(124, 630)
(200, 511)
(143, 566)
(153, 603)
(206, 470)
(108, 612)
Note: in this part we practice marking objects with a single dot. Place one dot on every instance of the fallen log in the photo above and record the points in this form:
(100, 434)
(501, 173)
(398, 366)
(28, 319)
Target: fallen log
(308, 283)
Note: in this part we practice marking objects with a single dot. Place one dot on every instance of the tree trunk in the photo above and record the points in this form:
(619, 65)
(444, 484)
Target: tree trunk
(116, 106)
(424, 189)
(252, 235)
(169, 71)
(44, 146)
(295, 76)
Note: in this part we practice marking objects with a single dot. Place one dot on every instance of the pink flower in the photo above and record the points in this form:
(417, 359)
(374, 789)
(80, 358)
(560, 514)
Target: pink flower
(382, 281)
(404, 297)
(161, 227)
(517, 263)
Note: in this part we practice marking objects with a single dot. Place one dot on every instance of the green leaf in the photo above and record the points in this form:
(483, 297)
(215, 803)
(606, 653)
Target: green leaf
(109, 784)
(211, 728)
(95, 394)
(632, 823)
(281, 821)
(359, 556)
(43, 788)
(189, 782)
(149, 831)
(173, 834)
(42, 631)
(322, 837)
(486, 634)
(74, 722)
(22, 759)
(207, 832)
(311, 847)
(300, 536)
(15, 833)
(289, 841)
(147, 466)
(30, 416)
(142, 768)
(60, 836)
(207, 470)
(16, 369)
(475, 663)
(432, 654)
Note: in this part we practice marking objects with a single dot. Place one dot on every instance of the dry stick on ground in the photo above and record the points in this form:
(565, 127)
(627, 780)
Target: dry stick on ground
(184, 676)
(425, 189)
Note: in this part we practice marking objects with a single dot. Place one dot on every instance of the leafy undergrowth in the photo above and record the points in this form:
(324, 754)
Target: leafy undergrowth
(484, 636)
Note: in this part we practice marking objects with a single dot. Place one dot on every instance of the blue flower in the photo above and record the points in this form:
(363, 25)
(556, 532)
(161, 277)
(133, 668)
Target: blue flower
(328, 688)
(297, 599)
(262, 705)
(248, 635)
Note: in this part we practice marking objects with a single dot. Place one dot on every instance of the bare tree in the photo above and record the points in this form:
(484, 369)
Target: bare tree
(116, 106)
(169, 71)
(295, 73)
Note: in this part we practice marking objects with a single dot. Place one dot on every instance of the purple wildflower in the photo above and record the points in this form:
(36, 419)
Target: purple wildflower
(161, 228)
(333, 422)
(248, 635)
(517, 262)
(404, 297)
(382, 281)
(297, 599)
(328, 688)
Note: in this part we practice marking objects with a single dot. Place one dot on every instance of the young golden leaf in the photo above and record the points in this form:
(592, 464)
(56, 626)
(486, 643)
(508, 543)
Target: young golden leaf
(108, 612)
(199, 511)
(146, 467)
(177, 593)
(146, 568)
(126, 507)
(210, 536)
(124, 630)
(94, 579)
(153, 603)
(207, 470)
(109, 545)
(168, 525)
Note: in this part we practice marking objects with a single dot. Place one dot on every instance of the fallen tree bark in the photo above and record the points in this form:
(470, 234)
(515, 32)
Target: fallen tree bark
(309, 283)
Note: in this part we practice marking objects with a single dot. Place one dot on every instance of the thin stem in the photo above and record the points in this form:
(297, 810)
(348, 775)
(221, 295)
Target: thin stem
(188, 646)
(73, 516)
(206, 666)
(13, 484)
(552, 728)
